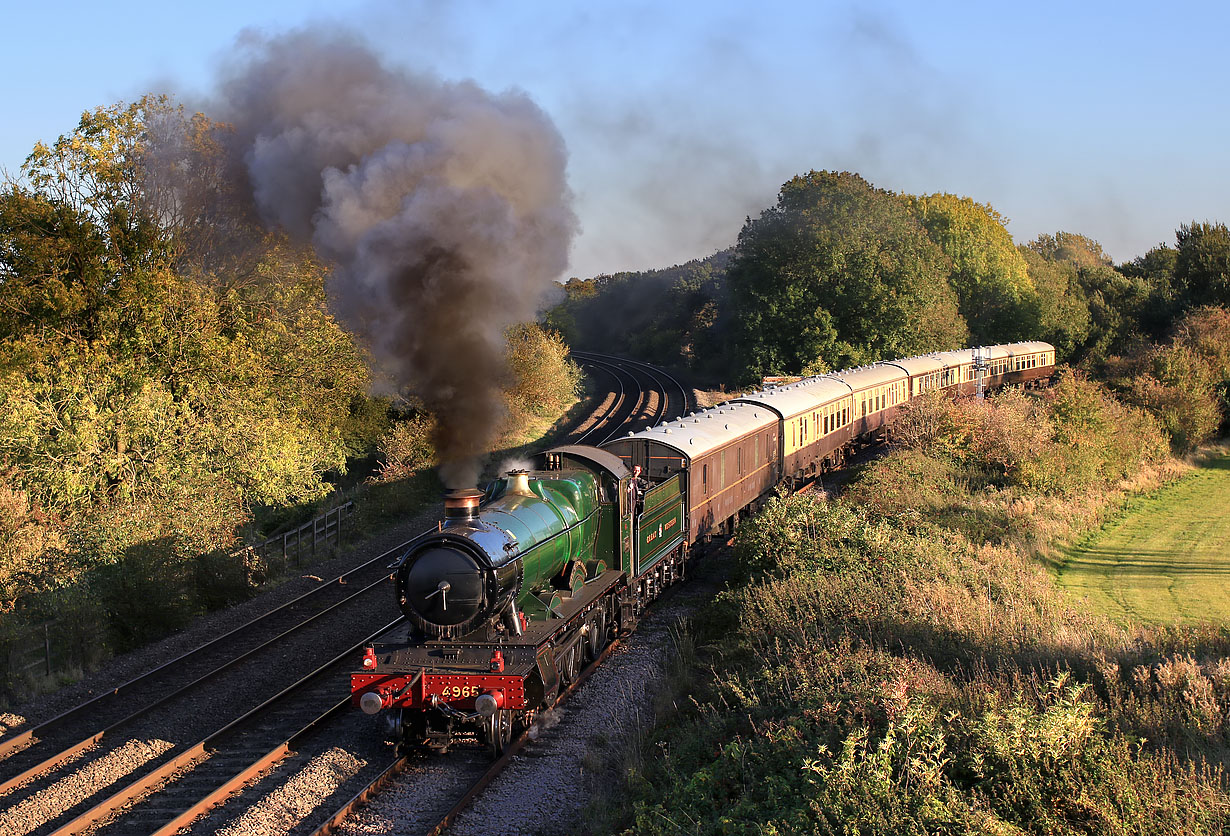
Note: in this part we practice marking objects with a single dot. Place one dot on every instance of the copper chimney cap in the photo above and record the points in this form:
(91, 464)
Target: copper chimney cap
(461, 504)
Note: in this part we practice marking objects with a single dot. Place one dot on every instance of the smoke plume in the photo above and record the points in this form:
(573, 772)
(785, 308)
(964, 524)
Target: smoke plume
(443, 207)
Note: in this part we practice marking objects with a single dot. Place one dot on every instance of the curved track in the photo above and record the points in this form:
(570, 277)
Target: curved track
(641, 396)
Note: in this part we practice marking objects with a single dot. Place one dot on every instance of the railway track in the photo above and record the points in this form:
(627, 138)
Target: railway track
(642, 396)
(148, 757)
(55, 775)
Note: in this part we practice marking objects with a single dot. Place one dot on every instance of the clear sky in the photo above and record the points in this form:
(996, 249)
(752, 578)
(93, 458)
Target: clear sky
(1110, 119)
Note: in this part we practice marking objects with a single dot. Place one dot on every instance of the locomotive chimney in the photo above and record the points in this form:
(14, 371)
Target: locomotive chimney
(518, 483)
(461, 505)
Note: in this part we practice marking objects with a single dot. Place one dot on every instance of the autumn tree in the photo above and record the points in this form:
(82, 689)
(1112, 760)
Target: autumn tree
(1115, 300)
(838, 273)
(1060, 310)
(994, 290)
(130, 367)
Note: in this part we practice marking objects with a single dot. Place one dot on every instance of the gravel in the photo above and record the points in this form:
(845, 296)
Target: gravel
(74, 788)
(283, 808)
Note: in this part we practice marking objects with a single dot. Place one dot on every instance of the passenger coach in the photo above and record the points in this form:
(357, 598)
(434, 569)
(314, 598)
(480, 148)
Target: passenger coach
(730, 457)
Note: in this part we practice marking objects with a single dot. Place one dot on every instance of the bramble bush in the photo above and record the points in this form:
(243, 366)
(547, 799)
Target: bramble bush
(1185, 385)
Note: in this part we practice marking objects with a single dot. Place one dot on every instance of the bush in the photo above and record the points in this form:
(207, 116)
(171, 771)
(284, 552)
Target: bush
(406, 448)
(544, 380)
(1185, 385)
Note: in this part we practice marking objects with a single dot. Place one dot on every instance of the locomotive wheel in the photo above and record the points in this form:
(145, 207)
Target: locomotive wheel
(499, 731)
(571, 664)
(595, 636)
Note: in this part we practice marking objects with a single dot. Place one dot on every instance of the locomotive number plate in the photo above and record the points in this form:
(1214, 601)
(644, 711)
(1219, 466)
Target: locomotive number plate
(459, 692)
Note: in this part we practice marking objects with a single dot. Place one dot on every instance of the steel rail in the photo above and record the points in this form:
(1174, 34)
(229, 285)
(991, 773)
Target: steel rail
(660, 381)
(144, 785)
(636, 412)
(11, 745)
(617, 404)
(249, 773)
(613, 373)
(55, 760)
(659, 374)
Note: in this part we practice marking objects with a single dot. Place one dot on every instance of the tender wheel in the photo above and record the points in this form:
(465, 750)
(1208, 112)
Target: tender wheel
(498, 731)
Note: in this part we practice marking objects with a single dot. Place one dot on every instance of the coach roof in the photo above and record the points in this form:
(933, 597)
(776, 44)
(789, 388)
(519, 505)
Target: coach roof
(796, 398)
(702, 432)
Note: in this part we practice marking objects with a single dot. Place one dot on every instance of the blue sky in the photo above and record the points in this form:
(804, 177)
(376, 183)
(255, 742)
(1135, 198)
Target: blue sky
(682, 118)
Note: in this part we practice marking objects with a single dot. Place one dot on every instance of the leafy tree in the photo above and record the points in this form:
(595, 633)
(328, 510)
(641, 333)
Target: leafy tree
(1156, 268)
(1060, 309)
(130, 364)
(989, 274)
(837, 272)
(1202, 264)
(1115, 300)
(1072, 248)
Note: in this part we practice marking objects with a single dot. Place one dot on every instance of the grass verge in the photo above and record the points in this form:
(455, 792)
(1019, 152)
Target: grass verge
(1165, 558)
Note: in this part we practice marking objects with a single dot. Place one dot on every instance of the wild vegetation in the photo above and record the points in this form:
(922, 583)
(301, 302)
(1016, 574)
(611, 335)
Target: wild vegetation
(172, 380)
(899, 660)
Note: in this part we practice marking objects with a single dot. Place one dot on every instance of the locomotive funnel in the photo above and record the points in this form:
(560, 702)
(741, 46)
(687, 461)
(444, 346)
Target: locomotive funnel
(462, 504)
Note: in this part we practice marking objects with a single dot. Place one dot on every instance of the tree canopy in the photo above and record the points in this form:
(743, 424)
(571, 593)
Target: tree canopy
(994, 290)
(128, 367)
(836, 274)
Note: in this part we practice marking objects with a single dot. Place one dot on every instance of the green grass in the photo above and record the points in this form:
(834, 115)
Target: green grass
(1166, 558)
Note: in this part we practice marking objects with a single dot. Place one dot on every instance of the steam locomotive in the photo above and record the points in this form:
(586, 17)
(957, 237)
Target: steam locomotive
(523, 583)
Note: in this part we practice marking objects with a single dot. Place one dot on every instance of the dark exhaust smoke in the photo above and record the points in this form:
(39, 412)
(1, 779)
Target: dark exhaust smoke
(443, 207)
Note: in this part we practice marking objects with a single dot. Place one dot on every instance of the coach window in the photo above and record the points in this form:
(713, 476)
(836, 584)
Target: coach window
(704, 478)
(739, 461)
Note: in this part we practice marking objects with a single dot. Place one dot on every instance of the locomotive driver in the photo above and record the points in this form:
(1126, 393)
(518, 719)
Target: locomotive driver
(636, 489)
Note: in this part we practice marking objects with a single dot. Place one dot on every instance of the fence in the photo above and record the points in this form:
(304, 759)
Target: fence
(311, 536)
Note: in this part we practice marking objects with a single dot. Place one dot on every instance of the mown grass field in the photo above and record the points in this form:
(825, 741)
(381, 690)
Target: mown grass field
(1166, 558)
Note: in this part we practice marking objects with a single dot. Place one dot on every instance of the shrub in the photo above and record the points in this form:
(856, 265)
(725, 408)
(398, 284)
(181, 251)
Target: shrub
(406, 448)
(544, 380)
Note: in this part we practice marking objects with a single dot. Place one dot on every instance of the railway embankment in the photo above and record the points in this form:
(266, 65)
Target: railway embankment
(902, 659)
